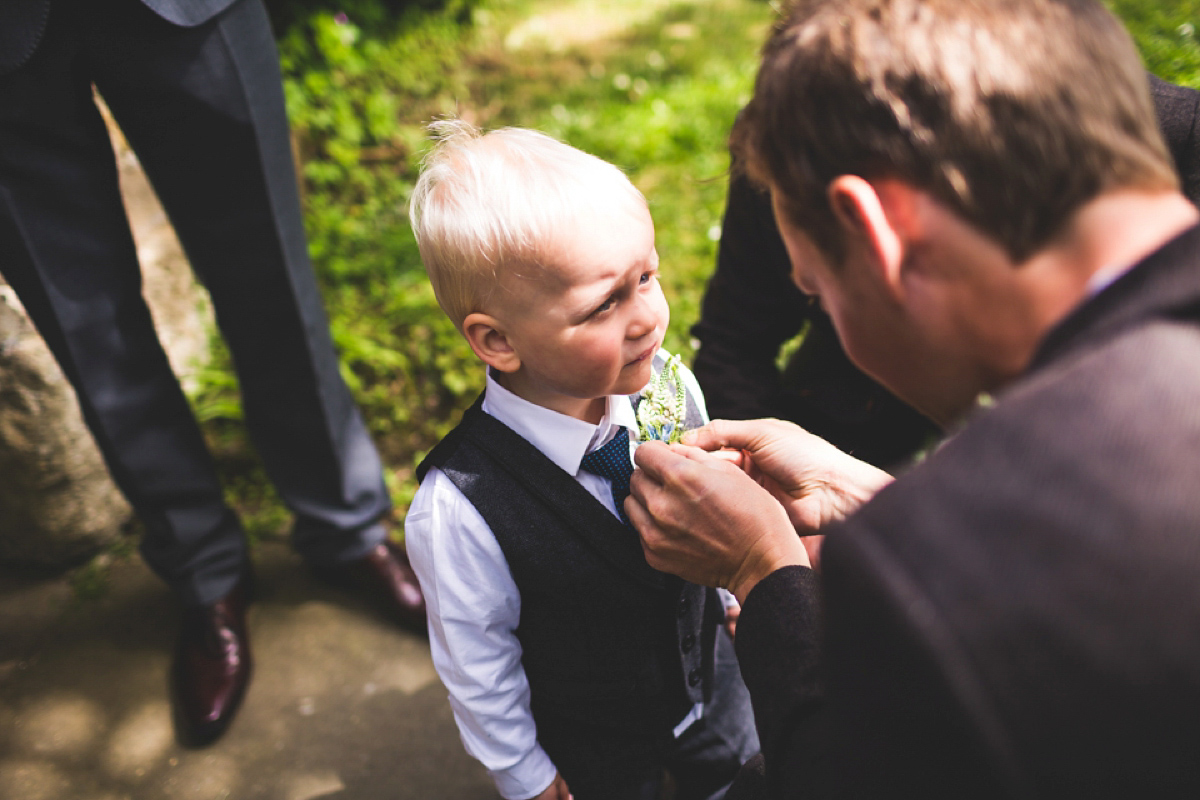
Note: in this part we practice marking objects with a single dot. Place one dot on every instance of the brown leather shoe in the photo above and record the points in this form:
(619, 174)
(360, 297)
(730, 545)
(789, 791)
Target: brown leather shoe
(384, 575)
(212, 667)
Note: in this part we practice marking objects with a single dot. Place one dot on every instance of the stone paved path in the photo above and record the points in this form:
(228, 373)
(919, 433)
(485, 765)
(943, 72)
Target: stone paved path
(343, 704)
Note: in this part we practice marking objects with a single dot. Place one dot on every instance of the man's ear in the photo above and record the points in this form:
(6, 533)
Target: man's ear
(880, 216)
(486, 336)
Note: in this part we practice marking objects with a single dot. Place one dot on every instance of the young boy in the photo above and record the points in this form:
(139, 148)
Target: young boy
(569, 661)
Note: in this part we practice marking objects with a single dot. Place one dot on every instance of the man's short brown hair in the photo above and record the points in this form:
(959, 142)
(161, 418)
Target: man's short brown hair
(1012, 113)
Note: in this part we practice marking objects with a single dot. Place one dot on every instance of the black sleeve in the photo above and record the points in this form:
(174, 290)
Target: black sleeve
(847, 701)
(749, 310)
(1178, 110)
(779, 650)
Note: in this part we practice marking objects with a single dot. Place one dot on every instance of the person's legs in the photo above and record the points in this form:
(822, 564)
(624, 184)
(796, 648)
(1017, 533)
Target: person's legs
(203, 109)
(66, 248)
(189, 101)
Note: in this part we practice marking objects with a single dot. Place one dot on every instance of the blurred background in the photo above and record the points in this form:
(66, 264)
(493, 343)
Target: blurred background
(650, 85)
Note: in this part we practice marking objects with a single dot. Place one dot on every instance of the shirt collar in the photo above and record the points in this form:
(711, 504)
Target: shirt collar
(1101, 278)
(564, 440)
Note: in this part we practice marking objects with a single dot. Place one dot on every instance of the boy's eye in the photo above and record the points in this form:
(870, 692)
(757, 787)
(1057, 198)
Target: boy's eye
(643, 279)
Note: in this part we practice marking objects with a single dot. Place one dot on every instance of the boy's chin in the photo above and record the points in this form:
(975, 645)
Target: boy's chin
(635, 381)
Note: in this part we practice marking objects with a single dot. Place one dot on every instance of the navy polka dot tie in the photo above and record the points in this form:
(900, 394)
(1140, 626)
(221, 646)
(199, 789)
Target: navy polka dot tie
(612, 461)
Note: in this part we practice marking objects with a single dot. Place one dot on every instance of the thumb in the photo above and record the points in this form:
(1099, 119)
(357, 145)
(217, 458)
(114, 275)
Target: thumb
(732, 434)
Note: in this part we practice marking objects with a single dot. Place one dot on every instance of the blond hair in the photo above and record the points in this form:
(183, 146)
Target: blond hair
(1012, 113)
(489, 204)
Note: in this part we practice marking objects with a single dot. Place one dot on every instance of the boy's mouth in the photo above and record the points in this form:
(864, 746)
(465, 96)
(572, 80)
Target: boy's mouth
(648, 353)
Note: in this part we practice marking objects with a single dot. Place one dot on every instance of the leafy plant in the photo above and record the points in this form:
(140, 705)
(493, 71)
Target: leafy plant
(1166, 36)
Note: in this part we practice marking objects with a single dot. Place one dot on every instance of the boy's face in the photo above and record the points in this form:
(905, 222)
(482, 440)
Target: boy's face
(588, 324)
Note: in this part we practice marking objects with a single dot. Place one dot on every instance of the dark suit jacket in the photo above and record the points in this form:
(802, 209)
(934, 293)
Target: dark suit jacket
(1019, 615)
(22, 23)
(1179, 117)
(751, 309)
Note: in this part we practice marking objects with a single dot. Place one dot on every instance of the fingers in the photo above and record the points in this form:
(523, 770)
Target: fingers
(748, 434)
(735, 457)
(812, 545)
(670, 520)
(653, 459)
(648, 531)
(720, 433)
(658, 460)
(731, 619)
(635, 507)
(655, 539)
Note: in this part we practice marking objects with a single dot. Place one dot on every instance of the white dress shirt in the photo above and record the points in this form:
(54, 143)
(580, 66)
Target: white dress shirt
(473, 604)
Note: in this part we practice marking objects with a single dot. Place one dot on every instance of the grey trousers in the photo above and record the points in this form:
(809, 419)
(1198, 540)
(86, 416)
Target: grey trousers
(203, 109)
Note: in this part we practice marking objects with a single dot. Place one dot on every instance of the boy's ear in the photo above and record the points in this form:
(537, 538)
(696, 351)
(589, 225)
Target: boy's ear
(881, 216)
(486, 336)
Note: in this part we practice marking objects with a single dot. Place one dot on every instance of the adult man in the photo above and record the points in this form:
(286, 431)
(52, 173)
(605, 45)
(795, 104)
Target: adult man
(752, 310)
(980, 197)
(197, 90)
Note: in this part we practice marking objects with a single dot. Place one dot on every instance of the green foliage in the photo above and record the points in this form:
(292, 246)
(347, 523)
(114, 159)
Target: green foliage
(363, 78)
(655, 95)
(91, 581)
(1166, 34)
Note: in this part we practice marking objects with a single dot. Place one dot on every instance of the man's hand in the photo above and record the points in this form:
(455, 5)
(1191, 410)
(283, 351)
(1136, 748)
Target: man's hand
(730, 518)
(704, 519)
(555, 791)
(816, 482)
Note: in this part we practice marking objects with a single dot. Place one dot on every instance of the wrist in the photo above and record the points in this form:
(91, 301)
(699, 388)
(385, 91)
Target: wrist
(784, 550)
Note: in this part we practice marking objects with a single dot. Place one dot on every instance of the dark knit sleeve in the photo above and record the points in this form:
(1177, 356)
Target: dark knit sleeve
(847, 698)
(779, 649)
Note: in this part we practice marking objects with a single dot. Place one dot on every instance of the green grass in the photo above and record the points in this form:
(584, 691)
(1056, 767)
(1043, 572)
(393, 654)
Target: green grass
(1166, 35)
(656, 97)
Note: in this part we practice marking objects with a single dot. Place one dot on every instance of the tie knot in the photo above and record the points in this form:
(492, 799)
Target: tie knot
(612, 460)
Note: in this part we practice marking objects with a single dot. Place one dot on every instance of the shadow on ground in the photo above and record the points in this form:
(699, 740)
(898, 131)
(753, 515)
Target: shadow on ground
(343, 704)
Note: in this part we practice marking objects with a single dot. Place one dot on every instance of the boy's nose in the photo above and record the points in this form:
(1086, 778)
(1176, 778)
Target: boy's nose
(644, 319)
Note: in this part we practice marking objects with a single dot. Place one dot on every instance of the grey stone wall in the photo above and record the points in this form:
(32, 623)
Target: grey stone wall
(57, 503)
